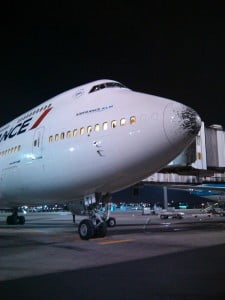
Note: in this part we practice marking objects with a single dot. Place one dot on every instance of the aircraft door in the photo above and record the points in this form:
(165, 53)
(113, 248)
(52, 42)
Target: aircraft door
(37, 146)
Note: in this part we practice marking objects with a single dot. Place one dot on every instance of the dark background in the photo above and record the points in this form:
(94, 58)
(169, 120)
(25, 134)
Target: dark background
(174, 51)
(153, 195)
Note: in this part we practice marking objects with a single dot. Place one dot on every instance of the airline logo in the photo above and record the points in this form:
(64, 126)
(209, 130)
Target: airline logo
(23, 126)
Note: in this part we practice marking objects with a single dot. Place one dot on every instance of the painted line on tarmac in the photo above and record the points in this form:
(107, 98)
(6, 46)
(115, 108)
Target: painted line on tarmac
(115, 242)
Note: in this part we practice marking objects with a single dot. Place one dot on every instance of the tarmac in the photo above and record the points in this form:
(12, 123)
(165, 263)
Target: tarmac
(143, 257)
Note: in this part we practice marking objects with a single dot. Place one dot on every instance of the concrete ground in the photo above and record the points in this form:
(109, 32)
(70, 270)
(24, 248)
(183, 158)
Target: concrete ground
(143, 257)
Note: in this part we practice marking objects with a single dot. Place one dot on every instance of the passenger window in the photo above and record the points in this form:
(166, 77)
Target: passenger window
(57, 137)
(35, 143)
(123, 122)
(105, 126)
(132, 120)
(62, 136)
(75, 132)
(19, 147)
(82, 130)
(11, 150)
(15, 149)
(68, 134)
(97, 127)
(51, 139)
(89, 129)
(113, 124)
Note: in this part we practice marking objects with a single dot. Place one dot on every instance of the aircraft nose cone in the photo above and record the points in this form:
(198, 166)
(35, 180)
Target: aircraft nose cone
(181, 123)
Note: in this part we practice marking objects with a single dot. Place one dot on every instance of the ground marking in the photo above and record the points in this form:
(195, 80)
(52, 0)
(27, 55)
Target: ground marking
(115, 242)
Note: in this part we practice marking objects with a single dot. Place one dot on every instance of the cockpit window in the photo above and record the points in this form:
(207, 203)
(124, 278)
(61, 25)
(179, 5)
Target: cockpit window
(106, 85)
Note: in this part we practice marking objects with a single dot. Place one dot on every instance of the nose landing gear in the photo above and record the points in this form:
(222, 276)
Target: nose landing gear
(87, 229)
(97, 209)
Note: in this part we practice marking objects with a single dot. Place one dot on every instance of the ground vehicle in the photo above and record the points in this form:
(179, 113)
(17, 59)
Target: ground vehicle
(171, 214)
(146, 211)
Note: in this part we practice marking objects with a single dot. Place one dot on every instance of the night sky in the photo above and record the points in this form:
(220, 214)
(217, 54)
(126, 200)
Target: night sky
(173, 51)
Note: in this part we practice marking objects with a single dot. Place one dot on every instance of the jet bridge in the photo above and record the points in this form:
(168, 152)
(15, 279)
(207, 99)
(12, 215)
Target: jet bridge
(202, 161)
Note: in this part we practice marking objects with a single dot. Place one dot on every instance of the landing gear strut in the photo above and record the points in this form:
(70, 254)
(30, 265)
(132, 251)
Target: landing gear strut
(14, 219)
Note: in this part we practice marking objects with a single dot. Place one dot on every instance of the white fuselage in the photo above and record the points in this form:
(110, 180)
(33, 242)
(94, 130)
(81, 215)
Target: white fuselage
(83, 142)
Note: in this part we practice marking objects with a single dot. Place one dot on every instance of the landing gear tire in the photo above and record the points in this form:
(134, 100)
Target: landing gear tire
(11, 220)
(86, 229)
(101, 230)
(14, 219)
(111, 222)
(21, 220)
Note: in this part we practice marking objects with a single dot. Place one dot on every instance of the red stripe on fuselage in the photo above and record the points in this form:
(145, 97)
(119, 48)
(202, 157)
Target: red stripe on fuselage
(41, 118)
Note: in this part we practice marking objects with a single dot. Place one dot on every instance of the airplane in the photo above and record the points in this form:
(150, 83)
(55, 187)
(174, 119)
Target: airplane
(212, 191)
(86, 143)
